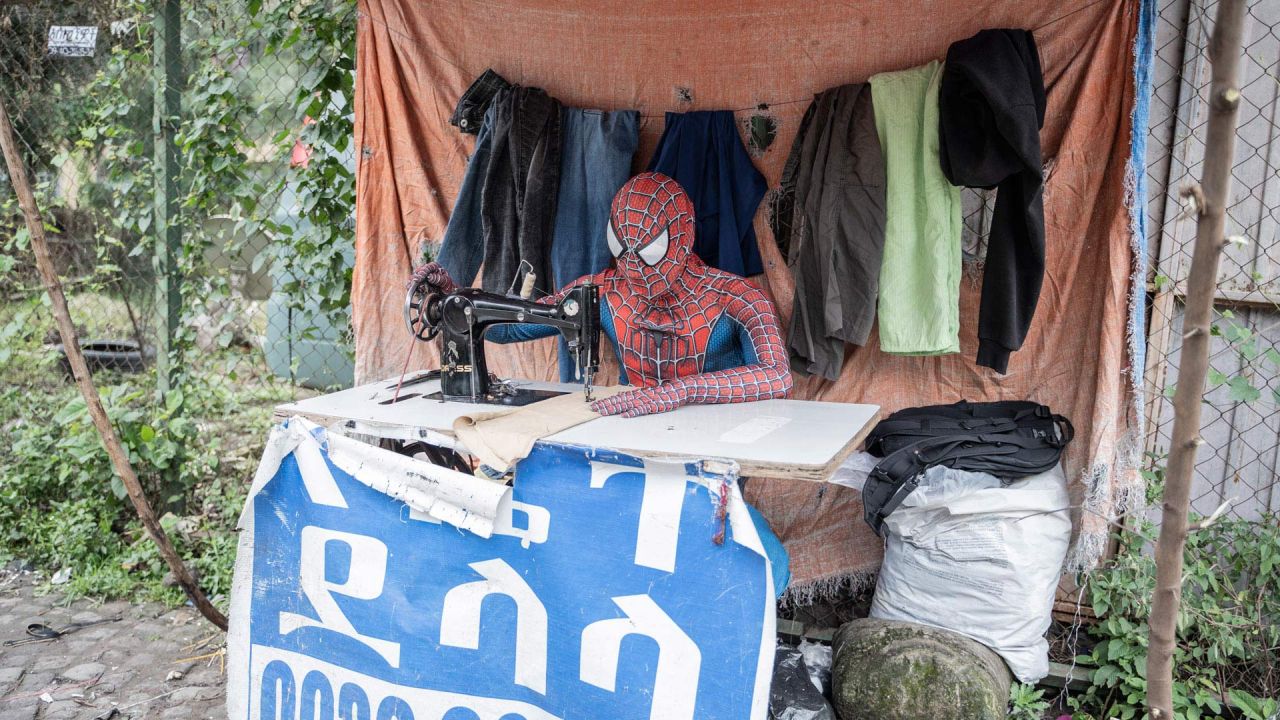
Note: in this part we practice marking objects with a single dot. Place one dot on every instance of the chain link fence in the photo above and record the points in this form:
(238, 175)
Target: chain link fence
(250, 321)
(1236, 469)
(1237, 466)
(262, 256)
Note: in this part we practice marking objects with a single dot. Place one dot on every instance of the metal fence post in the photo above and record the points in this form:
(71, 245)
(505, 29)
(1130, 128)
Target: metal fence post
(168, 82)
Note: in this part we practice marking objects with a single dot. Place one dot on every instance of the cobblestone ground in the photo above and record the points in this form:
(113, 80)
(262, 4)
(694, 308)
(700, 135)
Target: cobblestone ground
(138, 667)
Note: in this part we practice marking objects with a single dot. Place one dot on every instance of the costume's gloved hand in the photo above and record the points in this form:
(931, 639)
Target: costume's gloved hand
(435, 275)
(642, 401)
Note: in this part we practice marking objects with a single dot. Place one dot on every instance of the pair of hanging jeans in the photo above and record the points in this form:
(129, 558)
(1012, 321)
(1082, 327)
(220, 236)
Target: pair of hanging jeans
(703, 151)
(518, 205)
(505, 212)
(462, 250)
(597, 150)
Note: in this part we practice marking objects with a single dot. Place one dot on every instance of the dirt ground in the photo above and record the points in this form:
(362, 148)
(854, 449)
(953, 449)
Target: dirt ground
(153, 662)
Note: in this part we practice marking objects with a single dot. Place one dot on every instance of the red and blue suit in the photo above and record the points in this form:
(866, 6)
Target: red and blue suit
(684, 332)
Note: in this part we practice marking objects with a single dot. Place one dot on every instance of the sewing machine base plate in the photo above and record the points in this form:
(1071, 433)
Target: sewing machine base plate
(522, 396)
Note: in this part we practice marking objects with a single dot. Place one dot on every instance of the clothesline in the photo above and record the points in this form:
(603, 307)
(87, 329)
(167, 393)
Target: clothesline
(762, 105)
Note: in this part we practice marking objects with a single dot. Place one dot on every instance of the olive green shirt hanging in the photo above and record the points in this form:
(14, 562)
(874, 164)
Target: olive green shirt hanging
(919, 308)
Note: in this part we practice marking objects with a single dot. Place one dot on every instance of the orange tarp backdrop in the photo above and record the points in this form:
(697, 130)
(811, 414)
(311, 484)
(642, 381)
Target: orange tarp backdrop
(416, 58)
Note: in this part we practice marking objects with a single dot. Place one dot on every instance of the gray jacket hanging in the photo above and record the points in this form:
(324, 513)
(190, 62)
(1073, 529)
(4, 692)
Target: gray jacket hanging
(829, 220)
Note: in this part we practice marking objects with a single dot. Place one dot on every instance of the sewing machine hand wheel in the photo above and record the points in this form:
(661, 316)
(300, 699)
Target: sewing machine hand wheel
(422, 310)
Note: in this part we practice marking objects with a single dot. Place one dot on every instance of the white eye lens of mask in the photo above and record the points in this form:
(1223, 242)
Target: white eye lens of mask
(615, 247)
(656, 250)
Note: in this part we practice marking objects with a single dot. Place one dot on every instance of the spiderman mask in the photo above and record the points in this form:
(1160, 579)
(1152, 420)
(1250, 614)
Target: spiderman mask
(650, 233)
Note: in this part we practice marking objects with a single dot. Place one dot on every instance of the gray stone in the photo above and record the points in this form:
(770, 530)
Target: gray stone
(137, 652)
(888, 670)
(35, 680)
(177, 712)
(115, 656)
(19, 655)
(142, 659)
(99, 632)
(122, 678)
(59, 709)
(25, 709)
(153, 631)
(202, 674)
(80, 648)
(116, 608)
(137, 702)
(52, 661)
(83, 671)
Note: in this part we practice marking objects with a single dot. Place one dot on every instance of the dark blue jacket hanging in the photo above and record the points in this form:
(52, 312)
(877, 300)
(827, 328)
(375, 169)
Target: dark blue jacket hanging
(703, 152)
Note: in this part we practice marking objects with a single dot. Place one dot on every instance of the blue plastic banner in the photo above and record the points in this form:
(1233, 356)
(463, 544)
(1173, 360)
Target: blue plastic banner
(609, 587)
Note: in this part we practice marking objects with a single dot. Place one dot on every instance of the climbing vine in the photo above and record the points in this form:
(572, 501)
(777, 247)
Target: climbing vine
(318, 36)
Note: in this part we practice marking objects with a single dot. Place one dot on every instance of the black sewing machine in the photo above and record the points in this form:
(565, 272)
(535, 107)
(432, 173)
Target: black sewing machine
(461, 319)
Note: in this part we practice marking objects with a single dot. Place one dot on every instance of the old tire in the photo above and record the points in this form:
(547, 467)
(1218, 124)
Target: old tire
(890, 670)
(119, 355)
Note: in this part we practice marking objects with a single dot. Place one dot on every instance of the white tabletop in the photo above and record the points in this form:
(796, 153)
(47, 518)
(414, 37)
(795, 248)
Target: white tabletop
(798, 439)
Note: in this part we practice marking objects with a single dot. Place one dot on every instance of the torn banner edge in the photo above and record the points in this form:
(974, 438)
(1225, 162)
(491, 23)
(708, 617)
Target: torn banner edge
(462, 500)
(744, 533)
(1114, 488)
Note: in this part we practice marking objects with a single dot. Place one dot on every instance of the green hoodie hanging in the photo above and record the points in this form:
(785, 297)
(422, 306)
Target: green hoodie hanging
(919, 307)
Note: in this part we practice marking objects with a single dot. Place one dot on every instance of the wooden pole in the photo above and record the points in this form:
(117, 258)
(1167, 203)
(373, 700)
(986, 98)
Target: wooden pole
(167, 101)
(1224, 98)
(115, 450)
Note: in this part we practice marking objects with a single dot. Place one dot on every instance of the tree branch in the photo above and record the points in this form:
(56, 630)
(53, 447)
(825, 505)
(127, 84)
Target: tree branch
(110, 440)
(1224, 98)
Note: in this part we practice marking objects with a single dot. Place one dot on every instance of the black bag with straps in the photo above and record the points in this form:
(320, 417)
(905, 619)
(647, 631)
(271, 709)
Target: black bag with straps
(1009, 439)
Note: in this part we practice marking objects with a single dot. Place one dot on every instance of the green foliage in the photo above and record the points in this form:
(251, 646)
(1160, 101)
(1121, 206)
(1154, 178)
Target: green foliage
(259, 77)
(316, 256)
(1228, 642)
(1248, 350)
(1252, 708)
(1026, 702)
(242, 114)
(61, 505)
(254, 73)
(1248, 355)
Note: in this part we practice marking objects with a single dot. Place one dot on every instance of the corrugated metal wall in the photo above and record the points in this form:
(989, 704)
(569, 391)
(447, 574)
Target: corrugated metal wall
(1241, 428)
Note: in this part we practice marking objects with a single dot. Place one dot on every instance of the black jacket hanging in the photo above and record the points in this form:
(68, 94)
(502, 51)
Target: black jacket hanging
(992, 104)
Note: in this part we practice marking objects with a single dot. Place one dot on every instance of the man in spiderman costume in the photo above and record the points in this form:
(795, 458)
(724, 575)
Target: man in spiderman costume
(685, 332)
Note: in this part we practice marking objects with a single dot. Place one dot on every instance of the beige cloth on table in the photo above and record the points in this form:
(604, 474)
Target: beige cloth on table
(502, 437)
